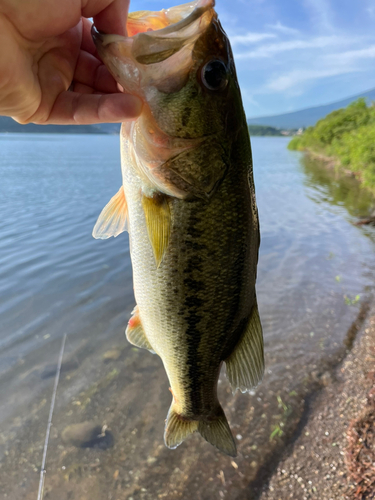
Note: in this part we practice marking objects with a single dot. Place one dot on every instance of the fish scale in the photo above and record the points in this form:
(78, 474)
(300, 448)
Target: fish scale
(192, 219)
(170, 302)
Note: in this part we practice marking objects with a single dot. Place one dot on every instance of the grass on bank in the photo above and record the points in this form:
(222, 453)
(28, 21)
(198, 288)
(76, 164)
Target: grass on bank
(348, 135)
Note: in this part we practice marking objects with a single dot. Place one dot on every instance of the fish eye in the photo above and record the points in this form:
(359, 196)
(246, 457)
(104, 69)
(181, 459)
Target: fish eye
(215, 75)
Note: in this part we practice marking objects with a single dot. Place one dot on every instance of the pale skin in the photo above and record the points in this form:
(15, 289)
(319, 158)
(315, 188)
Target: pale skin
(50, 72)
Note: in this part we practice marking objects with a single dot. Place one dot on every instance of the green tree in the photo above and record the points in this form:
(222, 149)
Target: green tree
(348, 135)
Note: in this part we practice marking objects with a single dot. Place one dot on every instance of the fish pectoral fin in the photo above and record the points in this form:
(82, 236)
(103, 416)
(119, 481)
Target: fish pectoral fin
(158, 221)
(245, 366)
(135, 333)
(216, 431)
(113, 219)
(177, 428)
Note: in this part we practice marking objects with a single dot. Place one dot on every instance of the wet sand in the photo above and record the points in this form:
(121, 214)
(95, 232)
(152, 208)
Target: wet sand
(320, 464)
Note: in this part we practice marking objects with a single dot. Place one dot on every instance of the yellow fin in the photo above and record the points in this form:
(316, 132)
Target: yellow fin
(158, 220)
(245, 366)
(177, 428)
(217, 432)
(135, 333)
(113, 219)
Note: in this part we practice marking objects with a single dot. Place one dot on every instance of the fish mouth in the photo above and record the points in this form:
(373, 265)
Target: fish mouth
(165, 22)
(159, 52)
(150, 64)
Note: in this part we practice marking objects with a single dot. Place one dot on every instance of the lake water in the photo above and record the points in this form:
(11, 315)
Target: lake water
(316, 272)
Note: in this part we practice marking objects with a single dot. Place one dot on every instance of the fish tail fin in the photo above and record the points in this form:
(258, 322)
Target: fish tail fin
(217, 432)
(177, 428)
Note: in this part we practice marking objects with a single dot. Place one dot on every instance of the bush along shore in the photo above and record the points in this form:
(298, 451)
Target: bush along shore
(346, 138)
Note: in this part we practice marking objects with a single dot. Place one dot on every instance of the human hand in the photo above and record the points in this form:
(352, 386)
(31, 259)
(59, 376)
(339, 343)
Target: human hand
(46, 48)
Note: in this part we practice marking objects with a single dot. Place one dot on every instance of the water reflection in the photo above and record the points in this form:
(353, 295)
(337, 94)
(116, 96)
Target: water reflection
(330, 186)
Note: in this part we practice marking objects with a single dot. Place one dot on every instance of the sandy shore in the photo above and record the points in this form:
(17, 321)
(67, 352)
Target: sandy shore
(334, 455)
(123, 392)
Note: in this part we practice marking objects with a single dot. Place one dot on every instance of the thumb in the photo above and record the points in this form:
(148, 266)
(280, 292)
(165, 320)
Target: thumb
(113, 18)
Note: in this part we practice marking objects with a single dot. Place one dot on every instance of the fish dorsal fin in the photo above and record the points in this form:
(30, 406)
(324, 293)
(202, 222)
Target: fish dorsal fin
(158, 221)
(113, 219)
(245, 366)
(135, 332)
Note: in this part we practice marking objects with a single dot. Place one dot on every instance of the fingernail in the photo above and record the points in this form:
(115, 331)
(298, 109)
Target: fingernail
(128, 107)
(120, 107)
(133, 106)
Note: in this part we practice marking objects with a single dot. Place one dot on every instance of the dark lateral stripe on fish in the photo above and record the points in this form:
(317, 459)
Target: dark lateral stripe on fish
(194, 308)
(195, 264)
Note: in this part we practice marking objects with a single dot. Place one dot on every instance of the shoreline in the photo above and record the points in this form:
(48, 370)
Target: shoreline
(333, 163)
(324, 458)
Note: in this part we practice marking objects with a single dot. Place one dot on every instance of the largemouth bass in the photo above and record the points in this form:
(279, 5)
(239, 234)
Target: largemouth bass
(188, 203)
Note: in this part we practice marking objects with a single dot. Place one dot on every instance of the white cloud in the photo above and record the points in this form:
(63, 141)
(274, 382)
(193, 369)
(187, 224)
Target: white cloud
(322, 42)
(250, 38)
(328, 65)
(352, 56)
(283, 29)
(281, 55)
(249, 98)
(371, 8)
(300, 76)
(321, 14)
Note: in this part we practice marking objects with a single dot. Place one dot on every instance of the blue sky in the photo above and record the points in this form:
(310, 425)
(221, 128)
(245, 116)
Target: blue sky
(294, 54)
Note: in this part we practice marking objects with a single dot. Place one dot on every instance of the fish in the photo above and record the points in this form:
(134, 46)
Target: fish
(188, 203)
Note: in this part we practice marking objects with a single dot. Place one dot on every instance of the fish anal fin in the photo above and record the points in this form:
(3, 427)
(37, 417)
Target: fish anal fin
(177, 428)
(158, 221)
(217, 432)
(135, 333)
(113, 219)
(245, 366)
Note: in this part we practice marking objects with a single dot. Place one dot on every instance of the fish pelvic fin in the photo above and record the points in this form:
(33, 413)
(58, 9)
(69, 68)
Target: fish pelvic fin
(158, 220)
(135, 332)
(113, 219)
(217, 432)
(245, 366)
(177, 428)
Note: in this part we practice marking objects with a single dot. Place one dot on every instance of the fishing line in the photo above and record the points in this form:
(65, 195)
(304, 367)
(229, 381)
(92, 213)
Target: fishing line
(42, 469)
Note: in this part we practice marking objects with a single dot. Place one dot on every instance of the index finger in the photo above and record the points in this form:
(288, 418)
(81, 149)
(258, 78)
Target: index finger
(109, 16)
(73, 108)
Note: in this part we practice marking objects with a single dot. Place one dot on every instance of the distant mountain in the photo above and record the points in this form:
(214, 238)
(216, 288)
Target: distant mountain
(309, 116)
(9, 125)
(262, 130)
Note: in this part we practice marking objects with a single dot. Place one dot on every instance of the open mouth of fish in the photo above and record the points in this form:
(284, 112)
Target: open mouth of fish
(165, 37)
(157, 59)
